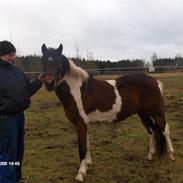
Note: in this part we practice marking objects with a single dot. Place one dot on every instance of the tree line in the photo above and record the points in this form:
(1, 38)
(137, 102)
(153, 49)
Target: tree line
(32, 63)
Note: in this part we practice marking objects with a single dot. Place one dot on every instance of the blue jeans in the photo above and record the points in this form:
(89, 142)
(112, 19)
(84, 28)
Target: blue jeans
(11, 147)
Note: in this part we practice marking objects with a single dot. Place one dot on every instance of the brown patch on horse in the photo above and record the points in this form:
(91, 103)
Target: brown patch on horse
(138, 92)
(96, 94)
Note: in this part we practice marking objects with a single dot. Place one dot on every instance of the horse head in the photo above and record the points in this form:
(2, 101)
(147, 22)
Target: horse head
(55, 65)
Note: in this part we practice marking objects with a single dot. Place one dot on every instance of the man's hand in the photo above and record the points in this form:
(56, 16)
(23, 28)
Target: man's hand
(41, 77)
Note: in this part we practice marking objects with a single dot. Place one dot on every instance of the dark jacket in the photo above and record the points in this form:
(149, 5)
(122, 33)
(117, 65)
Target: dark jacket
(15, 89)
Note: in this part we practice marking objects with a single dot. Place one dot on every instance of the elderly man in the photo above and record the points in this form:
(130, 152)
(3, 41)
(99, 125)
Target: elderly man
(15, 92)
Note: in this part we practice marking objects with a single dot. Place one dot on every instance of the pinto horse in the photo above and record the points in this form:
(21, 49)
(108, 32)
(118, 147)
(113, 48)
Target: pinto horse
(86, 100)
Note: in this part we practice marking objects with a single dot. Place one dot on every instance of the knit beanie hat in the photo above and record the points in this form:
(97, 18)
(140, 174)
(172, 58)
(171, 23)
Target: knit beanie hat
(6, 47)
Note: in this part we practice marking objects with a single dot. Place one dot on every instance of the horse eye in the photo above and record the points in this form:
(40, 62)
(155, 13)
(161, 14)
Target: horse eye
(50, 59)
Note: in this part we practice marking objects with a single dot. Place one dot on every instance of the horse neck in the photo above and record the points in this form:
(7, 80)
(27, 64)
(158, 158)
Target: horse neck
(76, 75)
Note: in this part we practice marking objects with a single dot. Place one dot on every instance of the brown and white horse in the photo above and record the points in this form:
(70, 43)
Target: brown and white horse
(86, 100)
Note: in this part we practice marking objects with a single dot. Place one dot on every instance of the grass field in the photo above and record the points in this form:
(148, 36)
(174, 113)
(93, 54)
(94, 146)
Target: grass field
(118, 150)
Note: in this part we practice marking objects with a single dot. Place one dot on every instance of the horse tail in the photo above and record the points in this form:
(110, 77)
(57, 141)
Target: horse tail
(160, 138)
(160, 141)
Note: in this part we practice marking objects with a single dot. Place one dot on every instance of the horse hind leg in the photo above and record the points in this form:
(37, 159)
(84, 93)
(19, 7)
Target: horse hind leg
(164, 129)
(148, 123)
(84, 153)
(170, 149)
(152, 146)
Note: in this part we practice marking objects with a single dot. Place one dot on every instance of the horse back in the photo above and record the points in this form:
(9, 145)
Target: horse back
(139, 92)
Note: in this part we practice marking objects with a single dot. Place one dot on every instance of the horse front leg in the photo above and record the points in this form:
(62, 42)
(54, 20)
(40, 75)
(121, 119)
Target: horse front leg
(147, 122)
(84, 153)
(88, 155)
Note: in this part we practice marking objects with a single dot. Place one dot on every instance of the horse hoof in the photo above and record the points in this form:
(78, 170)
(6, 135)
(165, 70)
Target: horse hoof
(171, 157)
(79, 177)
(149, 157)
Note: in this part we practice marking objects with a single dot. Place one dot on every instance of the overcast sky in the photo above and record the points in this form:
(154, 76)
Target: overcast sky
(105, 29)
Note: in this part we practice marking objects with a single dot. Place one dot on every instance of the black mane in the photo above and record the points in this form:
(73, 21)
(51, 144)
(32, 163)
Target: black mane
(65, 65)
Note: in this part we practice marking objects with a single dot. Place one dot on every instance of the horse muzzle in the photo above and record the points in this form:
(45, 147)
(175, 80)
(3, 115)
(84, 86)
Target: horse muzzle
(49, 77)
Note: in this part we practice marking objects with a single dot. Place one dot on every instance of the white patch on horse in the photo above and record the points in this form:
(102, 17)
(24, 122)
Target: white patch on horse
(110, 115)
(152, 146)
(168, 141)
(50, 59)
(82, 171)
(75, 79)
(161, 87)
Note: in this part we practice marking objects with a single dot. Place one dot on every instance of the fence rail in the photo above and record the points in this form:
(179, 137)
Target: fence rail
(123, 70)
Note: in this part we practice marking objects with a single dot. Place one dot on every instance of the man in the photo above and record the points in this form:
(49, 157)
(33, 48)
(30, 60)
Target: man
(15, 92)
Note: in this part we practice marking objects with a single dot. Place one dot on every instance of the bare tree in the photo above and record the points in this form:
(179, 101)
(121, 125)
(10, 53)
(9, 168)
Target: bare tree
(78, 56)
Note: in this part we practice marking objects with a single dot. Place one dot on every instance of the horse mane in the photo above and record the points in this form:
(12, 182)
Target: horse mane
(77, 72)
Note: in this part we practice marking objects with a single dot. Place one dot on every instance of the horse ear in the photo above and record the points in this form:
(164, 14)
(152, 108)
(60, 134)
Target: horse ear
(60, 49)
(44, 49)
